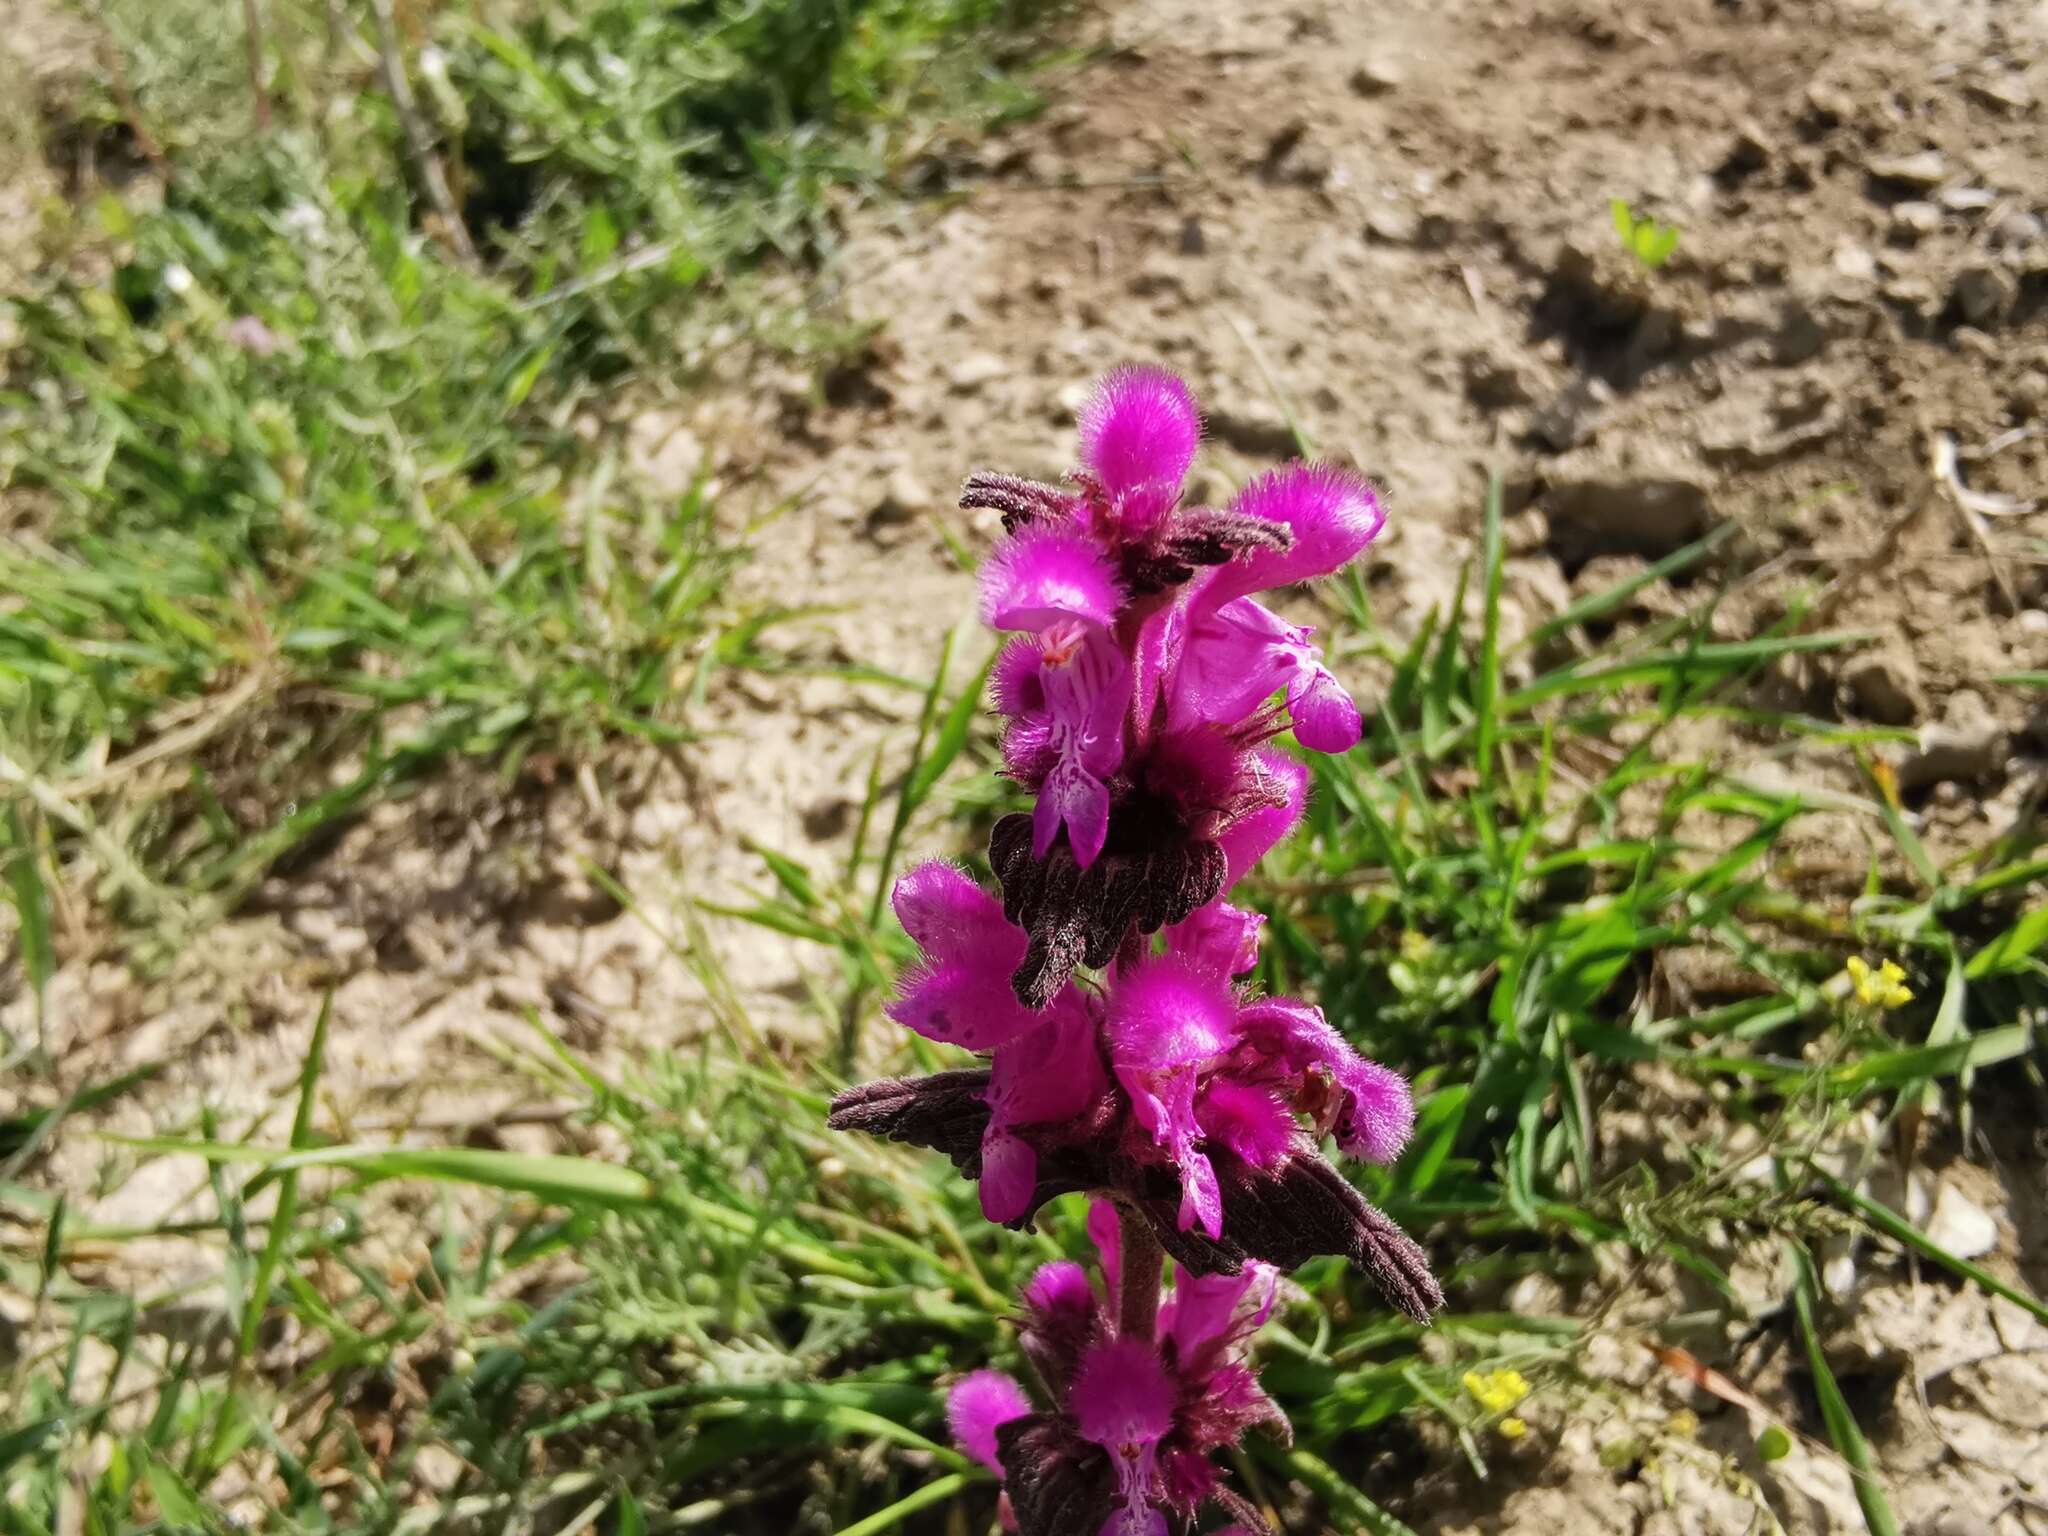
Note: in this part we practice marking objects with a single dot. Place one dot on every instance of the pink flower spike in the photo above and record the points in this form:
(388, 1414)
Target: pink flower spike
(1140, 427)
(977, 1407)
(1040, 575)
(1333, 513)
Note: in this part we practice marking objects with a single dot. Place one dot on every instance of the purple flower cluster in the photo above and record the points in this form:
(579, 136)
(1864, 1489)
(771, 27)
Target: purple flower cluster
(1127, 1056)
(1136, 1415)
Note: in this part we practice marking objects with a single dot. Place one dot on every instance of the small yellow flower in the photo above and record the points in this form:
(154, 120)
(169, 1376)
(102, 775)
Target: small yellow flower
(1497, 1391)
(1416, 948)
(1882, 988)
(1512, 1429)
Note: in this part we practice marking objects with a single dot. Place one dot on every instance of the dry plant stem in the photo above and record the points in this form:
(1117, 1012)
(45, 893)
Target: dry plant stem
(1143, 1264)
(252, 32)
(418, 146)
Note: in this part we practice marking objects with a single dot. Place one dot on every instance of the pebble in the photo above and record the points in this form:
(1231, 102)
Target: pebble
(2018, 227)
(1961, 1226)
(1983, 294)
(1965, 747)
(1377, 76)
(1390, 224)
(1925, 169)
(1884, 685)
(1916, 218)
(974, 370)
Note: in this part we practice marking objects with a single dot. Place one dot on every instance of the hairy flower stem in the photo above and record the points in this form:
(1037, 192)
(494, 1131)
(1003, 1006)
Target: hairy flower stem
(1143, 1262)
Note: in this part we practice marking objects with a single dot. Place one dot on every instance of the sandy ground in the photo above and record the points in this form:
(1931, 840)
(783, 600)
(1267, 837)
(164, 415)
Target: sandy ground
(1395, 217)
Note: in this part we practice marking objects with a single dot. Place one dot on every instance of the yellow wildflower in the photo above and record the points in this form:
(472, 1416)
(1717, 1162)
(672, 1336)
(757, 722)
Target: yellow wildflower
(1512, 1429)
(1416, 948)
(1497, 1391)
(1884, 987)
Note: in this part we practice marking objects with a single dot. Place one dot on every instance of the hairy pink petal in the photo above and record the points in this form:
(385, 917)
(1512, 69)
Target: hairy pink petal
(1375, 1111)
(1218, 938)
(1013, 683)
(1379, 1113)
(1139, 427)
(1251, 1121)
(1039, 576)
(1123, 1400)
(1087, 684)
(1166, 1012)
(1249, 839)
(977, 1407)
(1060, 1293)
(1122, 1395)
(967, 1003)
(952, 918)
(1333, 513)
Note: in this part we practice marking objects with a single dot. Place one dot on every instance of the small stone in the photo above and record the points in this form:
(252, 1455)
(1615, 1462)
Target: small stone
(1748, 153)
(1854, 261)
(1923, 170)
(1377, 76)
(1645, 508)
(904, 496)
(1915, 218)
(1829, 106)
(1959, 1225)
(1915, 295)
(1983, 294)
(1391, 224)
(1535, 1295)
(2017, 228)
(1884, 685)
(1572, 416)
(974, 370)
(1966, 746)
(1495, 379)
(2002, 93)
(2033, 621)
(1967, 199)
(1192, 241)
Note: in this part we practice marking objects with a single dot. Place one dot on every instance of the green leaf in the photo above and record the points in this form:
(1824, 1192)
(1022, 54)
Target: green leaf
(176, 1501)
(31, 902)
(564, 1180)
(2012, 950)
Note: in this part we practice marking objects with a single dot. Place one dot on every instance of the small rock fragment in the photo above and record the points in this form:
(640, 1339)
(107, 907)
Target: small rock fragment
(2017, 228)
(1966, 746)
(1984, 294)
(1572, 416)
(974, 370)
(1390, 224)
(2001, 93)
(1923, 170)
(1377, 76)
(1192, 241)
(1914, 218)
(1601, 507)
(1884, 685)
(1960, 1225)
(904, 496)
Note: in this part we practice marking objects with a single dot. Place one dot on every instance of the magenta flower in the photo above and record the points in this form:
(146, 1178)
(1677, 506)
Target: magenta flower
(1200, 1106)
(1126, 1448)
(1137, 697)
(1125, 1051)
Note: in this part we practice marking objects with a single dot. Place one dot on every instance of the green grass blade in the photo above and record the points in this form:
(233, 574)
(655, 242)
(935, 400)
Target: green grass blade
(937, 1491)
(1842, 1428)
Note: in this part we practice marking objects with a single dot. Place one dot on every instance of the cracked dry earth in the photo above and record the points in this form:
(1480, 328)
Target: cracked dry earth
(1395, 217)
